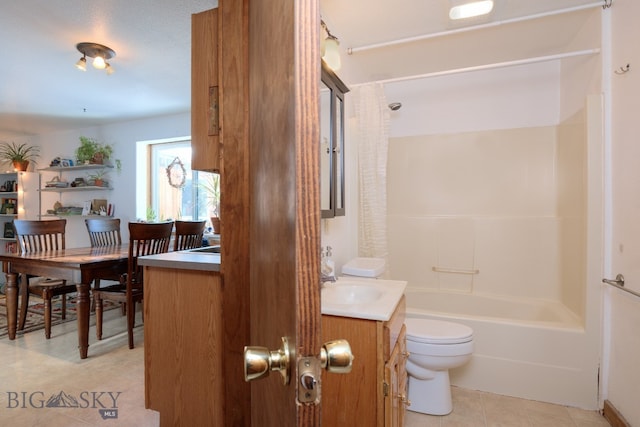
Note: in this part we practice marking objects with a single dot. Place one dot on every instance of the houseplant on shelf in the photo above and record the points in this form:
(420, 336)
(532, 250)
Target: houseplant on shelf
(91, 151)
(211, 187)
(98, 178)
(20, 155)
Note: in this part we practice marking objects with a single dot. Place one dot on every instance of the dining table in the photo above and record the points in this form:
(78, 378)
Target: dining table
(89, 263)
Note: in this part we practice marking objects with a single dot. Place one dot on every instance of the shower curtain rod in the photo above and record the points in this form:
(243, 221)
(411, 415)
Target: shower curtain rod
(353, 50)
(487, 66)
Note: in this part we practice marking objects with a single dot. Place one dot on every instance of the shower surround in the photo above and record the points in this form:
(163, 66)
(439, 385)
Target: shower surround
(503, 215)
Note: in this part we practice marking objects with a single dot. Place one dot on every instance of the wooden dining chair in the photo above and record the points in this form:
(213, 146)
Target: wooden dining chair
(103, 232)
(144, 239)
(188, 235)
(42, 236)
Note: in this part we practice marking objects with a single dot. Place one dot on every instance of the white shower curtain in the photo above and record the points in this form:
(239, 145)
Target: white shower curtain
(372, 118)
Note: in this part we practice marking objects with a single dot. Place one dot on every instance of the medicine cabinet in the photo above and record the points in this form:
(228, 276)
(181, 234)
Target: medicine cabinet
(332, 91)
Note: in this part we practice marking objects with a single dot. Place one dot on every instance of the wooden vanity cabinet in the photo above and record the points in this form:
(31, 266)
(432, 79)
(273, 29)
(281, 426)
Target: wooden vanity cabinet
(205, 92)
(183, 346)
(373, 393)
(395, 374)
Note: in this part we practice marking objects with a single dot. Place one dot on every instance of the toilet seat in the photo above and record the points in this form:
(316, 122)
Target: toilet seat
(430, 331)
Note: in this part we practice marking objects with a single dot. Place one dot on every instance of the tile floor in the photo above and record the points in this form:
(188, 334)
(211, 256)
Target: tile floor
(35, 369)
(480, 409)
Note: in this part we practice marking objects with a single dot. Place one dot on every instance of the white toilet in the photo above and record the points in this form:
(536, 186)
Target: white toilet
(434, 347)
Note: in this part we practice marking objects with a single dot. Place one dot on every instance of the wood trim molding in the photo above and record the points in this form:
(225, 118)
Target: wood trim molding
(612, 415)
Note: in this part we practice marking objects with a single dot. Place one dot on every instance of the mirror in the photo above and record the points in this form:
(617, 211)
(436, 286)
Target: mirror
(325, 146)
(332, 91)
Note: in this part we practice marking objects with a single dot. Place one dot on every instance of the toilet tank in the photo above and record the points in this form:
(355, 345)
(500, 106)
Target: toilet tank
(364, 267)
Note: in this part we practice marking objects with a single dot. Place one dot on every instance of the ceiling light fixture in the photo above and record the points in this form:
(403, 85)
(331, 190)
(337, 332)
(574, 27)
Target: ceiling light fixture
(470, 9)
(82, 64)
(99, 53)
(330, 48)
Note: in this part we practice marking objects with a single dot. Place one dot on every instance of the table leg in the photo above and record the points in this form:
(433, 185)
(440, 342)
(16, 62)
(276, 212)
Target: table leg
(12, 303)
(82, 307)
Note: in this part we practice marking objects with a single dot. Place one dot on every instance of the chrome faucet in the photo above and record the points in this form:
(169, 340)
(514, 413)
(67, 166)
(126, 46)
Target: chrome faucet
(327, 278)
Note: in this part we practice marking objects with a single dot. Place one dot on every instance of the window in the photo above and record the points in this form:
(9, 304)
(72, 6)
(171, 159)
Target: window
(177, 192)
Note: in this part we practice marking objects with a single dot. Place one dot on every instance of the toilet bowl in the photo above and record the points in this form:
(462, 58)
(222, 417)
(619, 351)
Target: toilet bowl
(434, 347)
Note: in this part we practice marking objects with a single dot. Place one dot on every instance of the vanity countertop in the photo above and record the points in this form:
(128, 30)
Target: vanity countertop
(183, 260)
(361, 298)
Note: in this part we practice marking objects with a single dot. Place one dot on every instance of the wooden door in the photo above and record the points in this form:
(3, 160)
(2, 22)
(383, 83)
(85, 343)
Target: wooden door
(284, 77)
(270, 222)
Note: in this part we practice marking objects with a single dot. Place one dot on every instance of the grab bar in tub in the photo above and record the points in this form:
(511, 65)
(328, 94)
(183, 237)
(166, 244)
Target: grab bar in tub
(619, 283)
(454, 270)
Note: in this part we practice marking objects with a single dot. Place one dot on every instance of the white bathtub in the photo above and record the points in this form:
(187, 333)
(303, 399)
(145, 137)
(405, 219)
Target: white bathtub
(524, 348)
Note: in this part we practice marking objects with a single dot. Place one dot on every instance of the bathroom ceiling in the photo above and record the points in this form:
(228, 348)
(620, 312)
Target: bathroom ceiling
(508, 33)
(41, 91)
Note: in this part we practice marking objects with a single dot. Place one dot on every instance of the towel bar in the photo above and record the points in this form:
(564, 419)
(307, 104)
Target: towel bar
(454, 270)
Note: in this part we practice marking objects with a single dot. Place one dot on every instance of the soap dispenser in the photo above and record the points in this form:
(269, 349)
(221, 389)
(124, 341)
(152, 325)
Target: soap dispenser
(331, 265)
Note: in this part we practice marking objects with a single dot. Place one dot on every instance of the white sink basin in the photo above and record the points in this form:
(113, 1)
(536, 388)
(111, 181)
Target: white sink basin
(362, 298)
(352, 293)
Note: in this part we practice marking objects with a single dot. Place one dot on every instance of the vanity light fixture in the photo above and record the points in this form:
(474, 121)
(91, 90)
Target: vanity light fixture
(469, 9)
(329, 48)
(100, 54)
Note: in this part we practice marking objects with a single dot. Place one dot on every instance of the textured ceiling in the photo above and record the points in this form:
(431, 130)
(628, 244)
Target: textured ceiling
(40, 88)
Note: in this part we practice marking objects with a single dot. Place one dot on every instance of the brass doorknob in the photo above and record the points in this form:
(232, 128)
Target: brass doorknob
(259, 362)
(336, 356)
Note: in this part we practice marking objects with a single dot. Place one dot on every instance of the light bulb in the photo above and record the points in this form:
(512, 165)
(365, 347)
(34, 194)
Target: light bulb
(332, 53)
(323, 38)
(98, 62)
(109, 69)
(469, 10)
(82, 64)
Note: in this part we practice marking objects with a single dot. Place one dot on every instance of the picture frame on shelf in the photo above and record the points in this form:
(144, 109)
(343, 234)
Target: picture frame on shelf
(7, 208)
(8, 231)
(99, 205)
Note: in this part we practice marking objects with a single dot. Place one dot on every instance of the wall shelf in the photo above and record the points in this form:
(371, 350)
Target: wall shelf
(73, 189)
(24, 201)
(73, 168)
(70, 201)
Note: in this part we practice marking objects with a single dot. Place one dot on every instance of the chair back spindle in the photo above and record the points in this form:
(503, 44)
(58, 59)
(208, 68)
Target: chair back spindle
(40, 236)
(103, 232)
(188, 235)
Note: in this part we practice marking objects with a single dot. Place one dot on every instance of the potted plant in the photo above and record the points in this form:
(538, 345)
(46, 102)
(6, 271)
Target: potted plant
(211, 187)
(92, 151)
(19, 154)
(98, 178)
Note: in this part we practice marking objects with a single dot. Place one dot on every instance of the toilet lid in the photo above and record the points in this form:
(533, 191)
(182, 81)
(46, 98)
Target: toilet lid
(437, 331)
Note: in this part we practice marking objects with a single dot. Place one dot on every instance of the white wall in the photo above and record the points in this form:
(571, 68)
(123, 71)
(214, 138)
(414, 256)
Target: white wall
(622, 324)
(123, 136)
(490, 201)
(503, 98)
